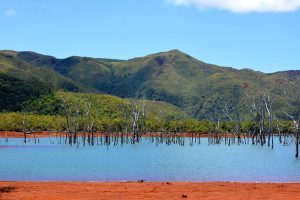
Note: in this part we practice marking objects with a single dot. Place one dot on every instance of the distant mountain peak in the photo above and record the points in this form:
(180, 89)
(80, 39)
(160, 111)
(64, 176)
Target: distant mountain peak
(175, 51)
(172, 53)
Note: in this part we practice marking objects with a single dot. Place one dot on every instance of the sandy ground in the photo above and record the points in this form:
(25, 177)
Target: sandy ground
(160, 190)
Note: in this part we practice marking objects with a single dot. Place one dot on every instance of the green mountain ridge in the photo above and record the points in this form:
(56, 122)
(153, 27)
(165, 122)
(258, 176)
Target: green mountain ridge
(199, 88)
(13, 65)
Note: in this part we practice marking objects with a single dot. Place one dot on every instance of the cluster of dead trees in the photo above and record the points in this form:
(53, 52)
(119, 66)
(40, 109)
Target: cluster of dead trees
(263, 119)
(82, 122)
(82, 118)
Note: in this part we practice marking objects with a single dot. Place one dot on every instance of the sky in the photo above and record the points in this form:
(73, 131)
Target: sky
(263, 35)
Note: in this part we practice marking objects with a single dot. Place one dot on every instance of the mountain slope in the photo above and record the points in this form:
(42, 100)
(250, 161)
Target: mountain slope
(12, 65)
(172, 76)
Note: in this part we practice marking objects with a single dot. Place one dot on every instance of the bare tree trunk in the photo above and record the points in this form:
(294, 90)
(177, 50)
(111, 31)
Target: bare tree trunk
(297, 144)
(25, 139)
(6, 138)
(34, 137)
(92, 135)
(272, 140)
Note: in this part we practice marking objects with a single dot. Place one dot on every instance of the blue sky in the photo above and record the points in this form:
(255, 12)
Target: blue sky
(261, 36)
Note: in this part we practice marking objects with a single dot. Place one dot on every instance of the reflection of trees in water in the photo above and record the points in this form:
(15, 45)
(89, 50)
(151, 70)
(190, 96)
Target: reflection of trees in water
(159, 138)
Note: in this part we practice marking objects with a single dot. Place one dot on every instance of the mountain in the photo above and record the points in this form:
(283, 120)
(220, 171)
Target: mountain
(12, 64)
(201, 89)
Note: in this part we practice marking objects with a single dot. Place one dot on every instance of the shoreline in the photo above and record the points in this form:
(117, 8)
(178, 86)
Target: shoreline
(45, 134)
(144, 181)
(147, 190)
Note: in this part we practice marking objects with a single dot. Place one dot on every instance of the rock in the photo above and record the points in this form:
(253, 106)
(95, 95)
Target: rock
(184, 196)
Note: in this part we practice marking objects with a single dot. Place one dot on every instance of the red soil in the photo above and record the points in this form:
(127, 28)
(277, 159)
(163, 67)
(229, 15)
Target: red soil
(13, 134)
(159, 190)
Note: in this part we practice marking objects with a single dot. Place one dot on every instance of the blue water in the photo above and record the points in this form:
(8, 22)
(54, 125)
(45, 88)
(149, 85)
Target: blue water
(148, 161)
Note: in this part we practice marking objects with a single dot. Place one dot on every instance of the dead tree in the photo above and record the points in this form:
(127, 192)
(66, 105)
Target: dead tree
(228, 119)
(73, 114)
(296, 127)
(268, 104)
(255, 118)
(258, 111)
(138, 118)
(126, 113)
(90, 118)
(262, 120)
(67, 112)
(237, 121)
(26, 127)
(233, 115)
(278, 127)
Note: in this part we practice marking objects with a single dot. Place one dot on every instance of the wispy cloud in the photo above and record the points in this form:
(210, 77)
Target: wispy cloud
(243, 6)
(10, 12)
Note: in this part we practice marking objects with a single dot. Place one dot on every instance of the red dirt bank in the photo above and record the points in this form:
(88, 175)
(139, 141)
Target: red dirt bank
(160, 190)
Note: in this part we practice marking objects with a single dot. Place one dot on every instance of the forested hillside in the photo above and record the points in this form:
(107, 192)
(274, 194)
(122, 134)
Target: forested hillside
(202, 90)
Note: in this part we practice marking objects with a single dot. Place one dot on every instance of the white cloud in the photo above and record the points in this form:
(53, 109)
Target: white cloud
(10, 12)
(243, 6)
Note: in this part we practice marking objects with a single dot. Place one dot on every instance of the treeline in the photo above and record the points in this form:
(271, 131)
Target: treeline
(65, 111)
(16, 121)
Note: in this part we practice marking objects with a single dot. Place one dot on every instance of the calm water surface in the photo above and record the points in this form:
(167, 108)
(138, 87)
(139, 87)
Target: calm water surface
(148, 161)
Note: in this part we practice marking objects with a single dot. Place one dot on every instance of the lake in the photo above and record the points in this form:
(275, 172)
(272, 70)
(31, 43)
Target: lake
(147, 161)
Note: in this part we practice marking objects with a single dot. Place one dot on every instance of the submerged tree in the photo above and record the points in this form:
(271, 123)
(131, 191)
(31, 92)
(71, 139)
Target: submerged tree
(91, 112)
(293, 100)
(268, 104)
(26, 126)
(138, 117)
